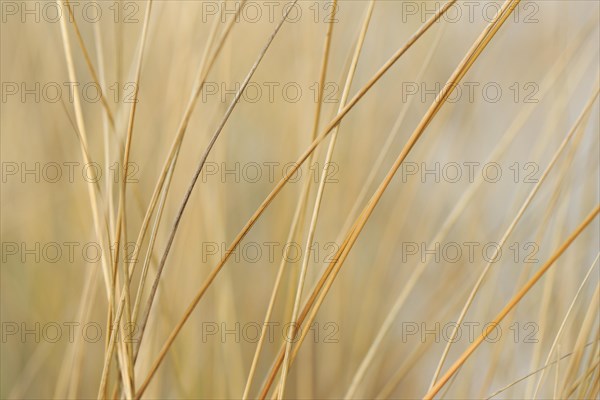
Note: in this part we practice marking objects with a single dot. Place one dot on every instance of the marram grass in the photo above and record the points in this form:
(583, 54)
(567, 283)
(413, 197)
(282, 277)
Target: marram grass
(241, 199)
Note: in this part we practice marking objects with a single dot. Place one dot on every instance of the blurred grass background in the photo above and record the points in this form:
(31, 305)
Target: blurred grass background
(279, 131)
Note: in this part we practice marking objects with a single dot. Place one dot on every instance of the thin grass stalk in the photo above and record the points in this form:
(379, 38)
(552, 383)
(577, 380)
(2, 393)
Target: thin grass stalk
(511, 304)
(533, 373)
(352, 235)
(319, 198)
(509, 231)
(300, 208)
(197, 174)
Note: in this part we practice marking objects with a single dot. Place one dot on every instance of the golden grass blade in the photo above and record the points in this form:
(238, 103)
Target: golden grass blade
(569, 382)
(511, 228)
(563, 324)
(165, 175)
(195, 179)
(90, 66)
(319, 198)
(300, 208)
(290, 172)
(164, 186)
(511, 304)
(101, 297)
(340, 256)
(511, 133)
(127, 369)
(82, 135)
(529, 375)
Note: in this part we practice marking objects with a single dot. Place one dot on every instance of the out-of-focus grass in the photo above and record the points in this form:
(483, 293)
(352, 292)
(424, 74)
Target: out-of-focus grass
(530, 85)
